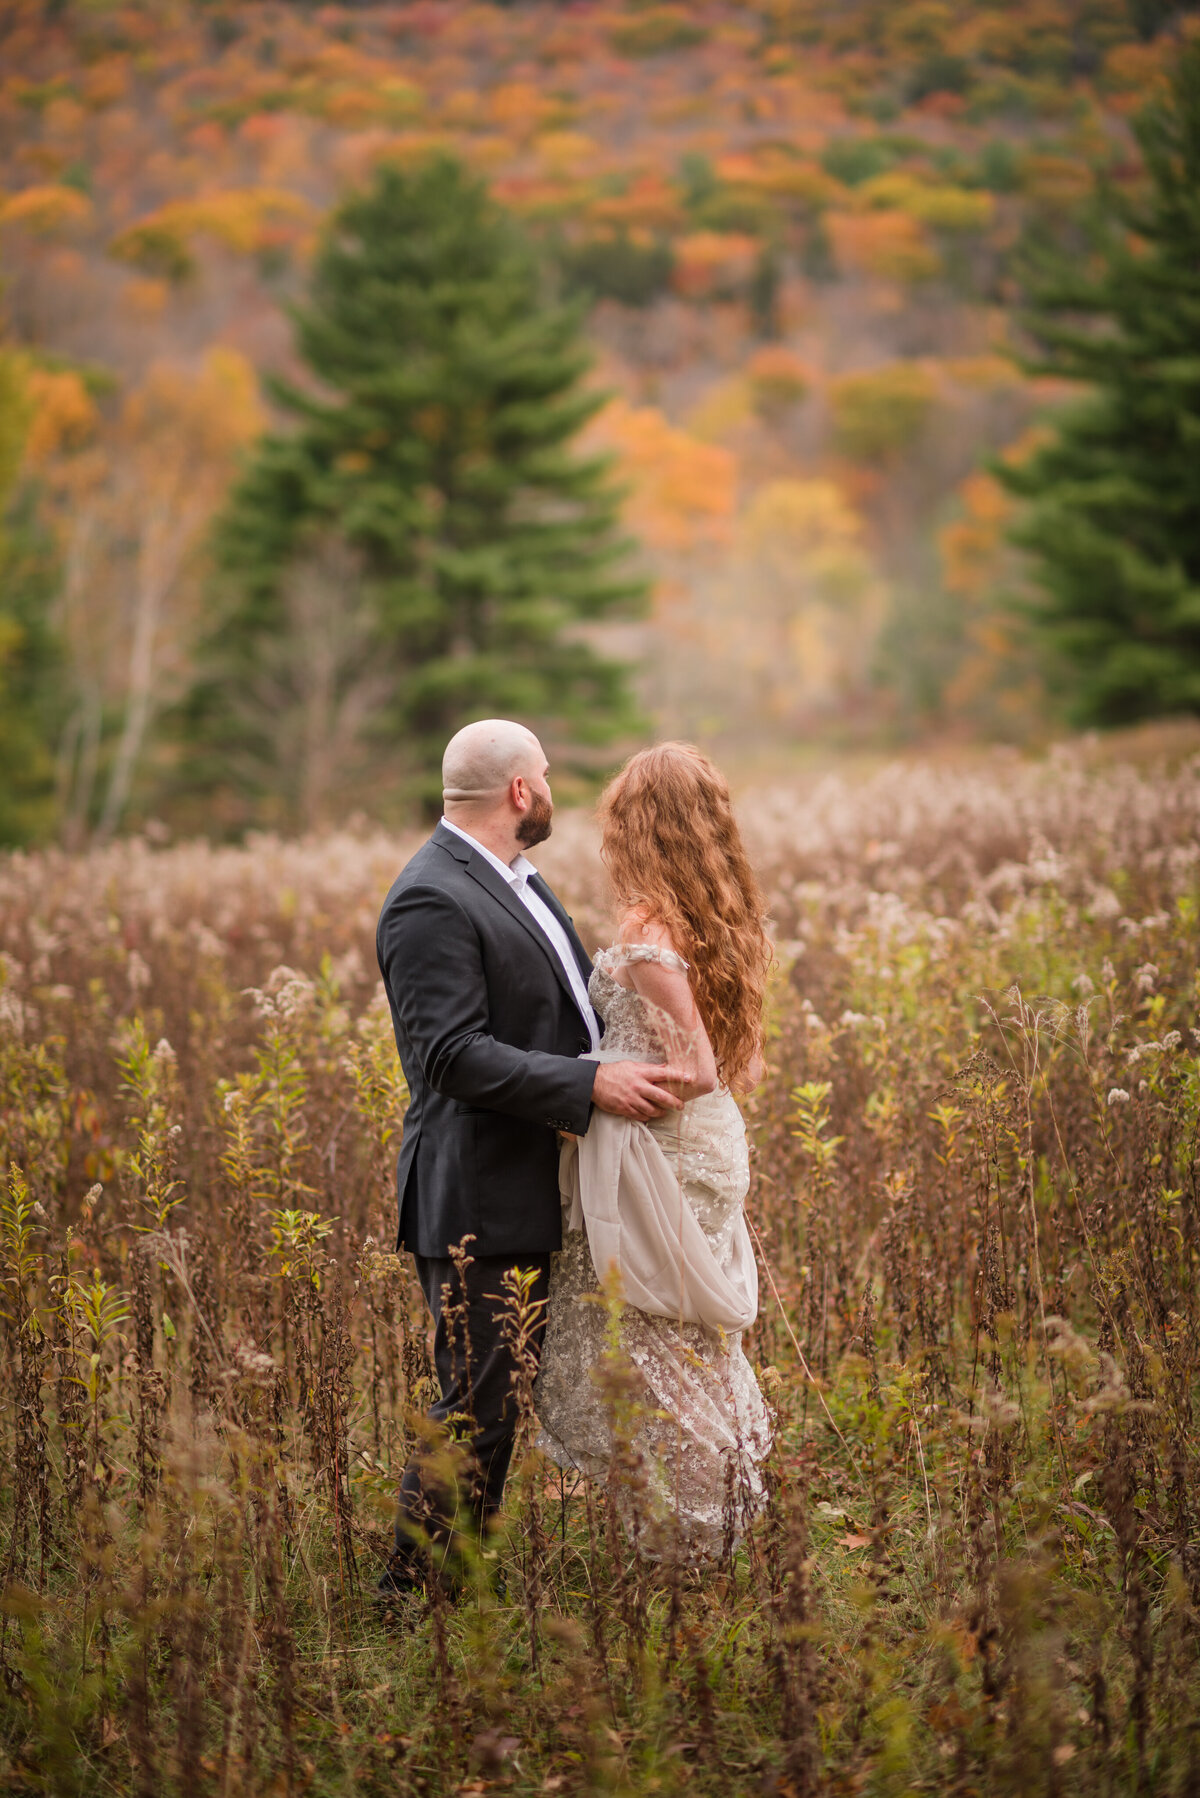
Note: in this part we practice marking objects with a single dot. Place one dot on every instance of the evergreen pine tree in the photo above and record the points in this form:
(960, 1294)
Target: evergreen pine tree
(1112, 520)
(423, 545)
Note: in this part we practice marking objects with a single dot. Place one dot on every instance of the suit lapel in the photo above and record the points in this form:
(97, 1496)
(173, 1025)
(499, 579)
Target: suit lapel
(482, 871)
(547, 894)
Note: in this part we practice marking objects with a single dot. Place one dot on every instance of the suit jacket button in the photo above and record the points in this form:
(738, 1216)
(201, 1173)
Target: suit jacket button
(585, 1043)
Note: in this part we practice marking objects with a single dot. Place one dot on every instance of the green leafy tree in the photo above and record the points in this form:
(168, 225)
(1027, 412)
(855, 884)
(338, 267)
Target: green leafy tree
(617, 266)
(30, 664)
(1113, 495)
(426, 542)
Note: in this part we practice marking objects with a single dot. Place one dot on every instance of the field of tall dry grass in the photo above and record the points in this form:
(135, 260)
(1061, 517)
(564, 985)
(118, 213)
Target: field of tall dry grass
(975, 1194)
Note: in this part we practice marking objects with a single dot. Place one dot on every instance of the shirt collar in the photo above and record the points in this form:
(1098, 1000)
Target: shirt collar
(517, 873)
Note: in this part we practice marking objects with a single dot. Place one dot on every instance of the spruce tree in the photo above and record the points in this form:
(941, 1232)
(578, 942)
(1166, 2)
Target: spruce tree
(1112, 519)
(431, 461)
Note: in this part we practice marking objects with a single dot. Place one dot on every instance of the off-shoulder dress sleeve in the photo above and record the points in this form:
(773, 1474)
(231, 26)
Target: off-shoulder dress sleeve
(633, 952)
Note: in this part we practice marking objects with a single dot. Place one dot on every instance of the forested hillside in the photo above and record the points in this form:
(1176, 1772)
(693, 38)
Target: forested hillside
(799, 232)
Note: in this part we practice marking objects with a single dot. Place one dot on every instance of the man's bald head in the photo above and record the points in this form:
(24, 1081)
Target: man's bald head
(484, 758)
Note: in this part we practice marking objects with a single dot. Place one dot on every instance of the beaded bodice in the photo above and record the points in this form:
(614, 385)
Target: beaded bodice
(630, 1026)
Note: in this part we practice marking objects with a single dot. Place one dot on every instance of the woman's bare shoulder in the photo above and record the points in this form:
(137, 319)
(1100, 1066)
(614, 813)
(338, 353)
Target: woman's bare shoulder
(642, 939)
(636, 926)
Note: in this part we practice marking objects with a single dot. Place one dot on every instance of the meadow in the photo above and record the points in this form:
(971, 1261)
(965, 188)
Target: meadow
(974, 1190)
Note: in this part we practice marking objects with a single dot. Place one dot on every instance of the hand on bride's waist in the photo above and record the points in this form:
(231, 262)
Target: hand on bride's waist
(644, 1089)
(640, 1090)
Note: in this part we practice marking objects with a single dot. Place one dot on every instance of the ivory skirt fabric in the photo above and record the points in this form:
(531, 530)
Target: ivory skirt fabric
(655, 1357)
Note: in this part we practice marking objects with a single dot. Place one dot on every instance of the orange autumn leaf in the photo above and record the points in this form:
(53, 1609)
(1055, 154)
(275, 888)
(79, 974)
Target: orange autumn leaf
(778, 378)
(64, 415)
(46, 208)
(713, 262)
(649, 202)
(891, 245)
(681, 491)
(243, 219)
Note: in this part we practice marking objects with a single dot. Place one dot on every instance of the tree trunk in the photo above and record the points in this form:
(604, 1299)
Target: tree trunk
(164, 541)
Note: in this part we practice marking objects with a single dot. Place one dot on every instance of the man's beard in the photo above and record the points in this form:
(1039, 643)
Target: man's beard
(535, 826)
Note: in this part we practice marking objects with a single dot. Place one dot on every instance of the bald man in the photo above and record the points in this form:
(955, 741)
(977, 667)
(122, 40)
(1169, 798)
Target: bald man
(487, 983)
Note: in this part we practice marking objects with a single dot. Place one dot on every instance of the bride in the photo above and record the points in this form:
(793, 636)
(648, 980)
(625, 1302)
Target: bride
(655, 1210)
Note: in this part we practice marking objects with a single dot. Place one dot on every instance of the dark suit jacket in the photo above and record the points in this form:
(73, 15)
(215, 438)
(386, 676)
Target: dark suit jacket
(489, 1035)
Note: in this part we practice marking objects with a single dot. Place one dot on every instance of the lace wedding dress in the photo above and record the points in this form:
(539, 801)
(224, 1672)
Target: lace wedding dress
(700, 1427)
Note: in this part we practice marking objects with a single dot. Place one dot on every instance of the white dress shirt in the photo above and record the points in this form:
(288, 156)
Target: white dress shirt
(518, 875)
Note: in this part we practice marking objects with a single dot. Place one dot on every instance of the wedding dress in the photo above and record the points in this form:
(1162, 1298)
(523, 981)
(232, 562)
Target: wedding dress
(659, 1207)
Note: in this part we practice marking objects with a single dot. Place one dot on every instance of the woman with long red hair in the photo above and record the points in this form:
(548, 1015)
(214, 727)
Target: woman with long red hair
(654, 1211)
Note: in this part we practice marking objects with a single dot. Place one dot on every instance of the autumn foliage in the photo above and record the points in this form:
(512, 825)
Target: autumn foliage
(796, 231)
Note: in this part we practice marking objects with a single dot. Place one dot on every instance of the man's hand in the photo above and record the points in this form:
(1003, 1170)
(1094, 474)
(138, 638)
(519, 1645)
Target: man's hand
(636, 1089)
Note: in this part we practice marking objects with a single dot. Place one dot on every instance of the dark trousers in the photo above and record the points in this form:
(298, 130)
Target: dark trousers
(475, 1371)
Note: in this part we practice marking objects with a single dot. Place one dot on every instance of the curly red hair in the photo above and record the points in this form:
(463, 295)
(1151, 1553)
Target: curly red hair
(673, 849)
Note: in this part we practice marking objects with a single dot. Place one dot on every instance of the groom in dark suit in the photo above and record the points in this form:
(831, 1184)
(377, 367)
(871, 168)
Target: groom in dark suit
(487, 982)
